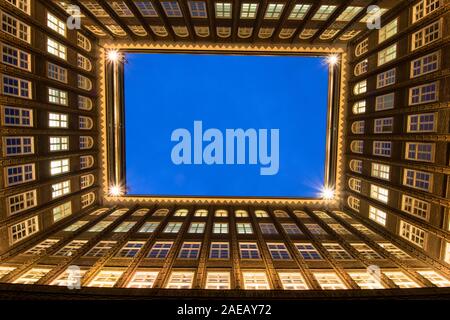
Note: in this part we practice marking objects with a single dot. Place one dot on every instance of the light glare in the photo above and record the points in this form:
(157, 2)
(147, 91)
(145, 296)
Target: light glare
(327, 193)
(113, 55)
(116, 191)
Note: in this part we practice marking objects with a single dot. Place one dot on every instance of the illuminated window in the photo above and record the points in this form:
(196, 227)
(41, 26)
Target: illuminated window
(69, 278)
(59, 143)
(56, 72)
(415, 207)
(202, 31)
(41, 247)
(358, 127)
(413, 234)
(100, 226)
(20, 174)
(418, 179)
(274, 10)
(380, 171)
(307, 33)
(324, 12)
(56, 49)
(244, 228)
(339, 229)
(387, 55)
(201, 213)
(143, 279)
(71, 248)
(286, 33)
(220, 228)
(379, 193)
(56, 96)
(75, 226)
(365, 280)
(56, 24)
(241, 214)
(359, 107)
(59, 166)
(197, 227)
(62, 211)
(401, 280)
(61, 188)
(181, 213)
(125, 226)
(95, 8)
(426, 64)
(261, 214)
(32, 276)
(148, 227)
(130, 249)
(329, 281)
(173, 227)
(349, 13)
(221, 213)
(427, 35)
(105, 279)
(218, 280)
(435, 278)
(248, 10)
(447, 252)
(16, 87)
(180, 280)
(400, 254)
(15, 27)
(160, 250)
(366, 251)
(244, 32)
(329, 34)
(87, 199)
(388, 31)
(249, 250)
(219, 250)
(292, 281)
(255, 281)
(223, 10)
(280, 214)
(299, 11)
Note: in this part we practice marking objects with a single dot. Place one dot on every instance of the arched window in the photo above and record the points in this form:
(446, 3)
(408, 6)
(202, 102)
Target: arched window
(86, 162)
(84, 83)
(87, 199)
(181, 31)
(354, 184)
(349, 35)
(361, 67)
(280, 214)
(160, 31)
(307, 33)
(357, 146)
(83, 42)
(84, 103)
(161, 213)
(328, 34)
(83, 62)
(138, 30)
(86, 181)
(353, 203)
(223, 32)
(359, 107)
(286, 33)
(245, 32)
(117, 30)
(301, 214)
(221, 213)
(241, 213)
(181, 213)
(358, 127)
(265, 33)
(201, 213)
(360, 87)
(356, 166)
(140, 212)
(362, 47)
(261, 214)
(86, 142)
(85, 123)
(202, 31)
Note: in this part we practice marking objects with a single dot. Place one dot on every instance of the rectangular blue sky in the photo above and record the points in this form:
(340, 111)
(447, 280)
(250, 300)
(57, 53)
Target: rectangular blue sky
(165, 92)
